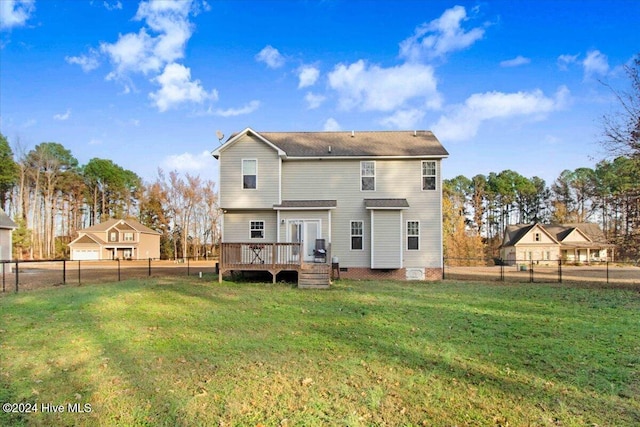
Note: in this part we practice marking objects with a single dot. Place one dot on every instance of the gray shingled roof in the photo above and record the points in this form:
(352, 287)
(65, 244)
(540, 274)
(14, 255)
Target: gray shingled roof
(6, 222)
(104, 226)
(386, 203)
(356, 144)
(307, 204)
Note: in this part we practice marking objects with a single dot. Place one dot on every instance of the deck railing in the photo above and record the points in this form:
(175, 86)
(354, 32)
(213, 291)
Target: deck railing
(260, 256)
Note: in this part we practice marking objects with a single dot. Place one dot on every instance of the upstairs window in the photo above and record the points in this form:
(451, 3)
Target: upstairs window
(250, 174)
(536, 237)
(257, 229)
(413, 235)
(367, 176)
(113, 236)
(428, 175)
(356, 235)
(128, 237)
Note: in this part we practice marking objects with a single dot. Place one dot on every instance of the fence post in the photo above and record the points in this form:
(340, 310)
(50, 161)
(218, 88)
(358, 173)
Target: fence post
(3, 267)
(64, 271)
(17, 273)
(531, 271)
(501, 270)
(607, 272)
(79, 272)
(188, 265)
(443, 269)
(559, 270)
(149, 267)
(118, 269)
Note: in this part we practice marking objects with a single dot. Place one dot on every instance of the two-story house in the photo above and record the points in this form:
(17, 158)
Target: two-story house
(116, 239)
(546, 244)
(373, 198)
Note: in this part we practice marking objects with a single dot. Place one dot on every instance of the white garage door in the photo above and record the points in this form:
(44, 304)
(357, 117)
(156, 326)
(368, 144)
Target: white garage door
(84, 254)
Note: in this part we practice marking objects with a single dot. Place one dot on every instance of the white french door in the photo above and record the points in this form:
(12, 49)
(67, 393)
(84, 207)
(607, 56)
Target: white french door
(305, 231)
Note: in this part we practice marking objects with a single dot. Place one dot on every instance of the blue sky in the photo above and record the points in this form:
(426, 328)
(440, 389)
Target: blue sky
(503, 85)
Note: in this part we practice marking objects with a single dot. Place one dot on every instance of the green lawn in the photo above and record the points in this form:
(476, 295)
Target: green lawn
(183, 351)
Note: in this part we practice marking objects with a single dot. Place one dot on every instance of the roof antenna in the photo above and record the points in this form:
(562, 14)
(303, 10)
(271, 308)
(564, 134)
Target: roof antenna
(220, 135)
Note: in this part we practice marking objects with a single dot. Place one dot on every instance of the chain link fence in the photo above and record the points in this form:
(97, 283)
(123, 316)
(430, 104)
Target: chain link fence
(25, 275)
(549, 271)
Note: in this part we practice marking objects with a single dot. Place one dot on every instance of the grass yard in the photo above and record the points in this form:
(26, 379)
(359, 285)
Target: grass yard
(183, 351)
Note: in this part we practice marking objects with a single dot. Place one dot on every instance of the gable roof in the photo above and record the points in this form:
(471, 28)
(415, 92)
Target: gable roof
(104, 226)
(558, 232)
(6, 222)
(514, 233)
(347, 144)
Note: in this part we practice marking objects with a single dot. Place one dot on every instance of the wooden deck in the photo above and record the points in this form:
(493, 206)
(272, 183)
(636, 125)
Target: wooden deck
(274, 258)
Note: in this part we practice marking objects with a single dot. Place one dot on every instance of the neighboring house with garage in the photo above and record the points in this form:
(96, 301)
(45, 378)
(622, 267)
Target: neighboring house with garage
(116, 239)
(372, 199)
(579, 243)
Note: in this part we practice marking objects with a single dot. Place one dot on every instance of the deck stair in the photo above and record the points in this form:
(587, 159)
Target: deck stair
(314, 276)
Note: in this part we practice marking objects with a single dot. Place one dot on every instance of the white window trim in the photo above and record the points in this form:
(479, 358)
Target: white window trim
(242, 174)
(423, 176)
(412, 235)
(351, 235)
(264, 229)
(375, 172)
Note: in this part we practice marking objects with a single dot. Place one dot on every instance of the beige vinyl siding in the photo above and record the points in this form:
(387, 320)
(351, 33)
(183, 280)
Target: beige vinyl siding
(267, 193)
(5, 244)
(575, 236)
(386, 232)
(148, 247)
(340, 180)
(237, 226)
(530, 237)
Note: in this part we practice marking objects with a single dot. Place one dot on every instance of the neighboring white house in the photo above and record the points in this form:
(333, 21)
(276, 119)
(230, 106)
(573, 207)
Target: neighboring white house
(6, 245)
(374, 197)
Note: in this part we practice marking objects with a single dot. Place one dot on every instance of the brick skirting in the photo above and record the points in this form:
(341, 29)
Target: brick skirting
(362, 273)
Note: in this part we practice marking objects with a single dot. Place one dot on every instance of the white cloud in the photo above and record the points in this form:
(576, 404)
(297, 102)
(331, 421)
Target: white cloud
(231, 112)
(331, 125)
(308, 76)
(313, 100)
(176, 88)
(270, 56)
(15, 13)
(515, 62)
(189, 162)
(64, 116)
(440, 36)
(404, 119)
(95, 141)
(160, 42)
(112, 6)
(464, 120)
(87, 62)
(596, 63)
(565, 60)
(383, 89)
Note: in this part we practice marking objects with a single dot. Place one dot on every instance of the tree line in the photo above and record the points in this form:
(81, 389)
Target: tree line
(51, 196)
(477, 209)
